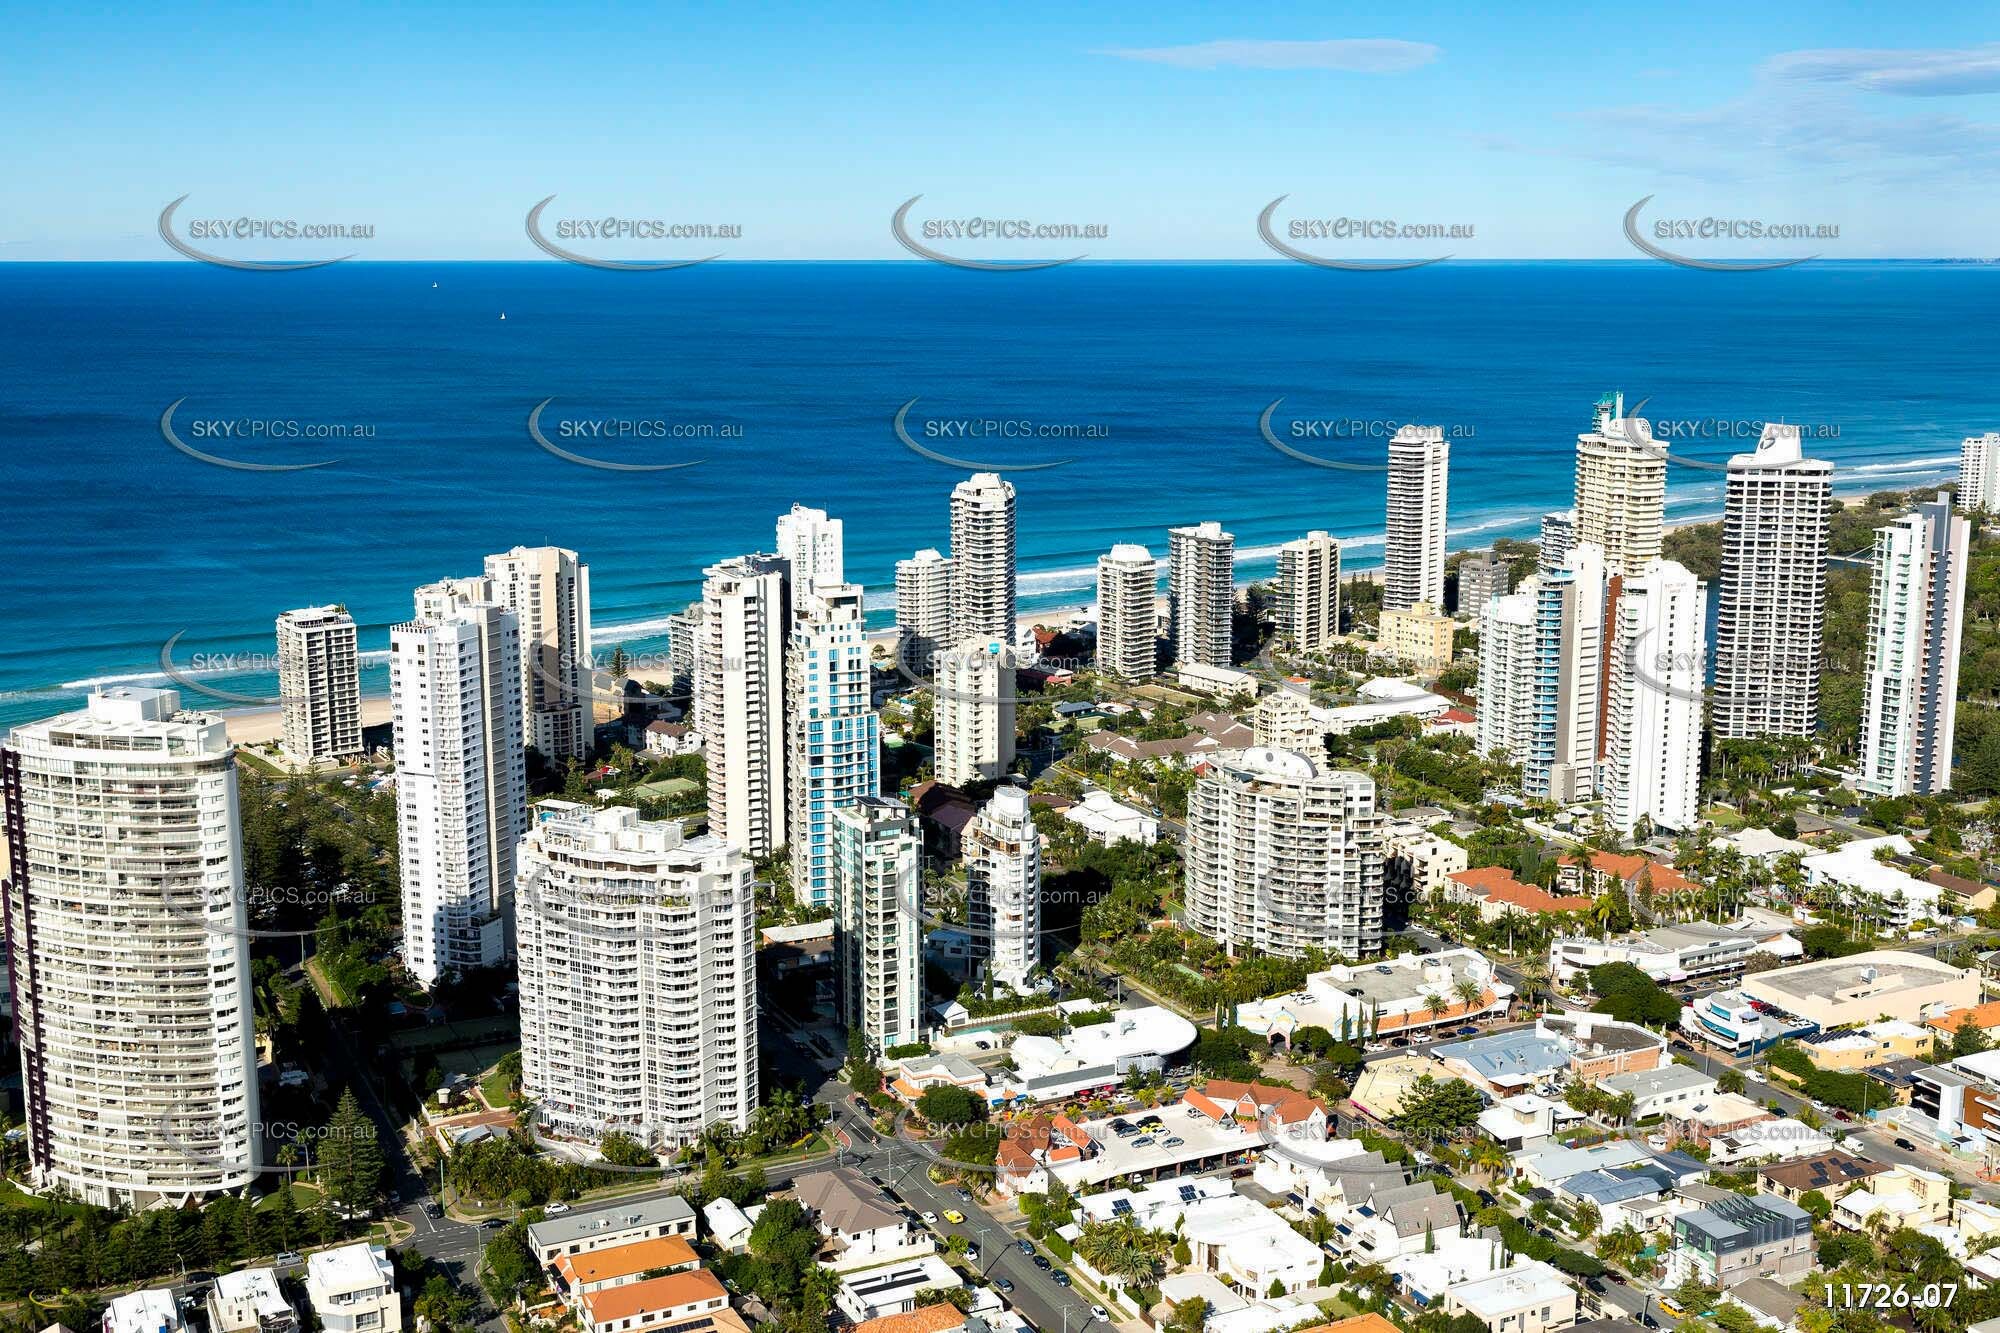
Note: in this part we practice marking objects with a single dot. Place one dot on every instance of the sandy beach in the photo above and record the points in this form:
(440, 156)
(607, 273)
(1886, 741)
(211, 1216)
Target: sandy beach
(261, 726)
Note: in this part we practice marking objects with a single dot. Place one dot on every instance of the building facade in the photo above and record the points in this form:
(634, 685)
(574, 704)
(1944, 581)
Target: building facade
(814, 547)
(1420, 635)
(1505, 719)
(1562, 759)
(1916, 603)
(1413, 546)
(972, 712)
(128, 941)
(1003, 878)
(740, 687)
(1770, 617)
(1309, 592)
(548, 590)
(1201, 594)
(1128, 612)
(878, 884)
(982, 553)
(1621, 488)
(319, 680)
(1654, 701)
(461, 778)
(1482, 576)
(923, 608)
(1979, 473)
(1283, 857)
(1558, 535)
(834, 736)
(638, 976)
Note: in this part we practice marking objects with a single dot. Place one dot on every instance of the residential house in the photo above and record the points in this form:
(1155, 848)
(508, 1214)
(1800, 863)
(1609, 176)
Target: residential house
(1901, 1196)
(1660, 1091)
(860, 1226)
(694, 1300)
(1827, 1174)
(892, 1289)
(1031, 1145)
(1530, 1297)
(1741, 1237)
(1496, 893)
(249, 1301)
(618, 1224)
(352, 1289)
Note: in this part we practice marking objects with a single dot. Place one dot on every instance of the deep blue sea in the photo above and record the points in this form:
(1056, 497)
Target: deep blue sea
(116, 542)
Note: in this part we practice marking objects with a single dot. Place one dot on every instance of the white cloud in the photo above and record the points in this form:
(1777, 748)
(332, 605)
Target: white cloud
(1973, 69)
(1360, 55)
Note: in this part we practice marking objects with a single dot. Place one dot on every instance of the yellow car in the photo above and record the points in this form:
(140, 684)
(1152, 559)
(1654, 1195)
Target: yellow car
(1671, 1308)
(953, 1216)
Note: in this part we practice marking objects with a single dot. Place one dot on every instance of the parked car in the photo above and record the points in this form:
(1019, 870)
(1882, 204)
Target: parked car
(965, 1196)
(1025, 1247)
(1468, 1031)
(1173, 1141)
(1906, 1145)
(289, 1259)
(1003, 1284)
(953, 1216)
(556, 1209)
(1061, 1278)
(930, 1217)
(1101, 1313)
(1042, 1262)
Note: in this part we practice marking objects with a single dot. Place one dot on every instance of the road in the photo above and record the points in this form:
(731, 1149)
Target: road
(905, 1169)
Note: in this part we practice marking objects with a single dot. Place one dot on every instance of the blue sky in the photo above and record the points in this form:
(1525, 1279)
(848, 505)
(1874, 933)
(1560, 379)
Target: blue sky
(1169, 124)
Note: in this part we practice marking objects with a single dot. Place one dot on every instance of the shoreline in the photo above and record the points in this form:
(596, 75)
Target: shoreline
(263, 725)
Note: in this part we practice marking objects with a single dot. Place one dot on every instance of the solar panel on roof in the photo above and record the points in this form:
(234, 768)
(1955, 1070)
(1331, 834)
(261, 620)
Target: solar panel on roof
(1121, 1207)
(1187, 1194)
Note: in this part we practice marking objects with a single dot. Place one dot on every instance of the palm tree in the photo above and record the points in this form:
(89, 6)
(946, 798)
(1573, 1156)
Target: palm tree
(1434, 1005)
(1468, 992)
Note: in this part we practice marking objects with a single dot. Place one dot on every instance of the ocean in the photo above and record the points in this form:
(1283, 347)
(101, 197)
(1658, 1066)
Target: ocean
(781, 383)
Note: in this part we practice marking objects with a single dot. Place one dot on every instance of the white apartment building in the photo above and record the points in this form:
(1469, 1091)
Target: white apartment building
(548, 590)
(461, 778)
(1309, 591)
(1562, 759)
(972, 712)
(130, 958)
(878, 885)
(1979, 473)
(982, 552)
(1558, 535)
(1128, 612)
(1003, 879)
(740, 691)
(923, 608)
(638, 976)
(1505, 718)
(1285, 720)
(684, 633)
(1621, 488)
(1413, 549)
(1201, 594)
(249, 1301)
(815, 546)
(1916, 602)
(353, 1290)
(1771, 614)
(1653, 705)
(1283, 857)
(319, 679)
(835, 737)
